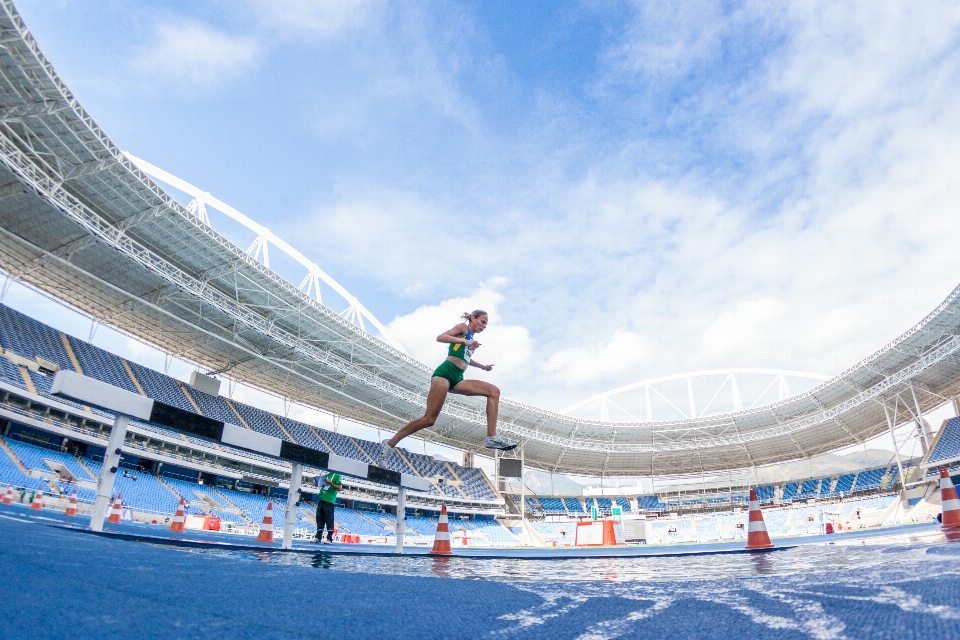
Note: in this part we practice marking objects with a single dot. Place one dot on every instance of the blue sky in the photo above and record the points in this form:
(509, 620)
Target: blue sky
(632, 189)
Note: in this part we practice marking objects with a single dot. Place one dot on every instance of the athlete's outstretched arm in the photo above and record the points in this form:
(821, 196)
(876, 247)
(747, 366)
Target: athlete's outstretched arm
(457, 336)
(485, 367)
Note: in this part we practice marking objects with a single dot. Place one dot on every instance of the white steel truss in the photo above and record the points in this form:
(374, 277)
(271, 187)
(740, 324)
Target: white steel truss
(82, 222)
(355, 312)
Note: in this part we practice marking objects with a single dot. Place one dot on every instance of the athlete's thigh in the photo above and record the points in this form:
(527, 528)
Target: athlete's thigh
(437, 395)
(474, 388)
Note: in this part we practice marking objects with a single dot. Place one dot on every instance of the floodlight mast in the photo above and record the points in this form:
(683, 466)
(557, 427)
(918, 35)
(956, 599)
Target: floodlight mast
(355, 311)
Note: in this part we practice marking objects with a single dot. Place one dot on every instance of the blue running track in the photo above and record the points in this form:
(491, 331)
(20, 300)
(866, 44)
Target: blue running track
(56, 583)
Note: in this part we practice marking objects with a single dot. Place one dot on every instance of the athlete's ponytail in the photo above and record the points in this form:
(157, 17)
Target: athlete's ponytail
(468, 316)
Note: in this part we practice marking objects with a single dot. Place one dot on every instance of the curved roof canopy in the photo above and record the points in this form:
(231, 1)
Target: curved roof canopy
(82, 223)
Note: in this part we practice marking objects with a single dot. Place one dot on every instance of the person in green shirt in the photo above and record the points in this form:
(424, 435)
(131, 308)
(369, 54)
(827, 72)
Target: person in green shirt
(330, 485)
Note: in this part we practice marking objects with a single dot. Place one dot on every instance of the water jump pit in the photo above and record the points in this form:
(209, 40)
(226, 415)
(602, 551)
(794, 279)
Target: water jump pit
(880, 583)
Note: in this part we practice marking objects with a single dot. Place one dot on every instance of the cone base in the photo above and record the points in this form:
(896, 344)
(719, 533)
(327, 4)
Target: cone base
(265, 536)
(177, 528)
(751, 547)
(114, 519)
(441, 550)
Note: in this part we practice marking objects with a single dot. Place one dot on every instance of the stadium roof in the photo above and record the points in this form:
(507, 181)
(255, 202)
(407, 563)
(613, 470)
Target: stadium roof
(82, 223)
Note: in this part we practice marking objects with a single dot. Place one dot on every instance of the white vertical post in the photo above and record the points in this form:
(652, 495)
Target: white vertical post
(108, 472)
(920, 422)
(523, 501)
(293, 497)
(896, 449)
(646, 390)
(401, 516)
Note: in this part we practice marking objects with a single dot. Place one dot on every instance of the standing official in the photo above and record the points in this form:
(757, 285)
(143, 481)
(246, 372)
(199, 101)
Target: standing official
(330, 485)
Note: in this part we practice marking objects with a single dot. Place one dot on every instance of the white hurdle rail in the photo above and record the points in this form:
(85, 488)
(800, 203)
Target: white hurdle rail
(126, 405)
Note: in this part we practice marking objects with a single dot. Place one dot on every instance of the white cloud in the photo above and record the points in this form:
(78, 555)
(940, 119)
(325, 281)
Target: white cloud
(197, 55)
(748, 330)
(314, 17)
(604, 361)
(506, 346)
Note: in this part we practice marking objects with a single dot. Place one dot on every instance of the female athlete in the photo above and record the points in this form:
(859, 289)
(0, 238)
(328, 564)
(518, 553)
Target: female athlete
(448, 378)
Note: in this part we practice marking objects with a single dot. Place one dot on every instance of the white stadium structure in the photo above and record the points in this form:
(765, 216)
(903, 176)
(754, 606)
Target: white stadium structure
(85, 223)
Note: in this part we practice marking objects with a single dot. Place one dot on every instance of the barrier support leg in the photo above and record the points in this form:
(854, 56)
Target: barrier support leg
(293, 497)
(401, 516)
(111, 460)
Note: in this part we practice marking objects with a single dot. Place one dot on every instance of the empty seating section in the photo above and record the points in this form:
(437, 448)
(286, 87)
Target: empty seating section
(651, 503)
(33, 457)
(161, 387)
(843, 485)
(102, 365)
(350, 521)
(553, 506)
(11, 474)
(765, 493)
(879, 502)
(869, 479)
(534, 507)
(475, 483)
(809, 489)
(495, 532)
(426, 527)
(825, 485)
(260, 421)
(573, 505)
(604, 505)
(559, 532)
(623, 503)
(948, 443)
(30, 338)
(302, 433)
(789, 491)
(83, 495)
(145, 493)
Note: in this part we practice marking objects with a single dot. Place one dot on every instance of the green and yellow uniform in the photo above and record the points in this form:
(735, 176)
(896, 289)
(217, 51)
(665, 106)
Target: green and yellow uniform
(451, 372)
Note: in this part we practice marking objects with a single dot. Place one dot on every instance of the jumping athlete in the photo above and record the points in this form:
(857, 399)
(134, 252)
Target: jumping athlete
(448, 378)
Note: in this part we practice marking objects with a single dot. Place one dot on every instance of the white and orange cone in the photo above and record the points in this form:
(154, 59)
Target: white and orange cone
(115, 511)
(37, 503)
(441, 544)
(266, 529)
(757, 536)
(177, 524)
(949, 501)
(72, 507)
(8, 496)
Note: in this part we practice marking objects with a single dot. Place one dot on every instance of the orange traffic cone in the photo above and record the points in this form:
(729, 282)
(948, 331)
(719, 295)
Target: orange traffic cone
(37, 503)
(72, 507)
(177, 524)
(757, 536)
(115, 511)
(8, 496)
(441, 544)
(949, 501)
(266, 529)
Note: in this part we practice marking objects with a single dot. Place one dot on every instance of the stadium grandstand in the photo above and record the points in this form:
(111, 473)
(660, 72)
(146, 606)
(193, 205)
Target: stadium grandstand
(92, 229)
(84, 224)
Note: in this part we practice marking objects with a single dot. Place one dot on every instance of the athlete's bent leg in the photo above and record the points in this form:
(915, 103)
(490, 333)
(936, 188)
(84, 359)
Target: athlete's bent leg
(480, 388)
(435, 399)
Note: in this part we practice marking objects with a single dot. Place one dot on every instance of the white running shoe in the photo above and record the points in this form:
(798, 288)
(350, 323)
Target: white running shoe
(385, 450)
(499, 442)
